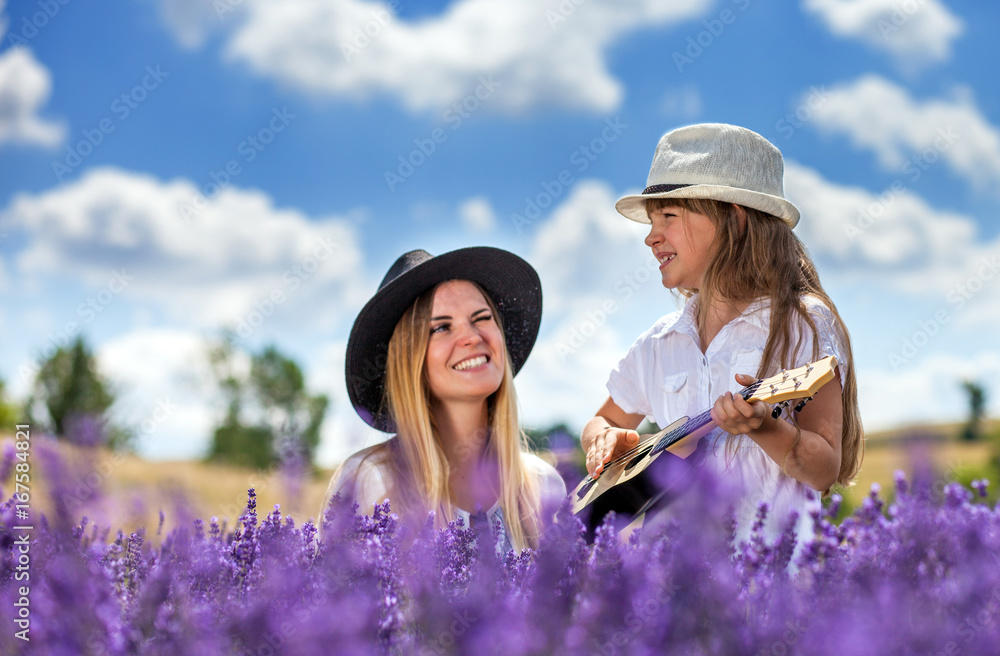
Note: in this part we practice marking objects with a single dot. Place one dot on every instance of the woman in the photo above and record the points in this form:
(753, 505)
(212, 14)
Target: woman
(432, 357)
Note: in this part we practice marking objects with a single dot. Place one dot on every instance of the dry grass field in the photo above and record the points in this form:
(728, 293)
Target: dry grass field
(124, 491)
(127, 492)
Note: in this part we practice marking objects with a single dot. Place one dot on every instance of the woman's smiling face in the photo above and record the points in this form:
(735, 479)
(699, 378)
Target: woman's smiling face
(465, 350)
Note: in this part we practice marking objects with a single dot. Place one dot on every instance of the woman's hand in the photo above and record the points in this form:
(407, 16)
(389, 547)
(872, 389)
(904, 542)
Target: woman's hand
(609, 443)
(733, 414)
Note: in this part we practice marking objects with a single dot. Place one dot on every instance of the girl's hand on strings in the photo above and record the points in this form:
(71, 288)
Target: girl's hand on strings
(733, 414)
(609, 444)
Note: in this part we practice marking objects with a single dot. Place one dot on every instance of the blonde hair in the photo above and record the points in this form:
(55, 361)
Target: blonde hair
(416, 460)
(762, 257)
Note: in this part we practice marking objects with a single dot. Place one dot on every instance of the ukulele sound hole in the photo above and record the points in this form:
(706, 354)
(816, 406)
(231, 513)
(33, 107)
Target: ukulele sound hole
(638, 457)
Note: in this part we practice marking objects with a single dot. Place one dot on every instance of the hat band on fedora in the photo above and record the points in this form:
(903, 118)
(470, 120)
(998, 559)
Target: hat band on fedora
(662, 188)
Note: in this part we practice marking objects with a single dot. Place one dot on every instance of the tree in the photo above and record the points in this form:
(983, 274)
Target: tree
(75, 398)
(977, 404)
(9, 413)
(270, 416)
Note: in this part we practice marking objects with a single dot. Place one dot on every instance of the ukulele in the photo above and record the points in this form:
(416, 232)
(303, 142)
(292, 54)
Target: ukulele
(626, 485)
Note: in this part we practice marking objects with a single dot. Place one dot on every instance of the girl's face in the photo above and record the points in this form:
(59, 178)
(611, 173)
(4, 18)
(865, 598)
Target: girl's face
(682, 242)
(465, 356)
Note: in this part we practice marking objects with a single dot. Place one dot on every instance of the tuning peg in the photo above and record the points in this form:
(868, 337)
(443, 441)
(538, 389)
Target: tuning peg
(801, 404)
(779, 408)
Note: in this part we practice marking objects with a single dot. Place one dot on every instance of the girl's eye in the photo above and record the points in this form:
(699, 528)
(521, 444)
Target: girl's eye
(440, 328)
(484, 317)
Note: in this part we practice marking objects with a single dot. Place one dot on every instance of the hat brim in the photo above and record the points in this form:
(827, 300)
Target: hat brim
(634, 206)
(511, 283)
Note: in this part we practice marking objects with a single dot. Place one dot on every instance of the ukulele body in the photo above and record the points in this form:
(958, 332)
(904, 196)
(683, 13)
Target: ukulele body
(636, 485)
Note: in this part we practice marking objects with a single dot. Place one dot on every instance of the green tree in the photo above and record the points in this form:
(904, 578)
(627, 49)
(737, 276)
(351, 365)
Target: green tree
(75, 398)
(10, 414)
(977, 405)
(270, 416)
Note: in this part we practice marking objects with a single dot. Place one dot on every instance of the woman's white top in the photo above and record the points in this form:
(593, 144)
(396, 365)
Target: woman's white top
(365, 479)
(665, 376)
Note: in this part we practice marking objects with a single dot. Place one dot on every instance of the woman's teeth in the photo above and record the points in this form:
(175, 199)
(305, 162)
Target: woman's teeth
(470, 363)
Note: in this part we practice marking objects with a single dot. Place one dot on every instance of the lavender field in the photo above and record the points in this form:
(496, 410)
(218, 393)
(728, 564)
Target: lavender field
(918, 576)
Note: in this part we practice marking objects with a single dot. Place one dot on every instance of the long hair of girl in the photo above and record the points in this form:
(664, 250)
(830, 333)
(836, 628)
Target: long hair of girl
(418, 465)
(762, 257)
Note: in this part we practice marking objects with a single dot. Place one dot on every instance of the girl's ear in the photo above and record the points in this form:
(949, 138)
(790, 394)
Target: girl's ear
(741, 217)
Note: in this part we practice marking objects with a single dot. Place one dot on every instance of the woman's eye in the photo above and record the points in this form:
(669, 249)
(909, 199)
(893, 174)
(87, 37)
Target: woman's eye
(440, 328)
(485, 317)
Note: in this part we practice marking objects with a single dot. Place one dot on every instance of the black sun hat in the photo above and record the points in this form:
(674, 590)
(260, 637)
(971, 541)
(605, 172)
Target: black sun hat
(511, 283)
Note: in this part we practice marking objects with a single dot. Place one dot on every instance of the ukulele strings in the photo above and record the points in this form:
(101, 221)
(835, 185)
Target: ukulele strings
(694, 423)
(746, 392)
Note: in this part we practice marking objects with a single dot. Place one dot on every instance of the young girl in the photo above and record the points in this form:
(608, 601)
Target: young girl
(432, 357)
(721, 230)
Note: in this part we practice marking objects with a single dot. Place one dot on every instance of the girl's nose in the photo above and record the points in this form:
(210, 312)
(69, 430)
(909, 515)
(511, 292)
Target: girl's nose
(653, 238)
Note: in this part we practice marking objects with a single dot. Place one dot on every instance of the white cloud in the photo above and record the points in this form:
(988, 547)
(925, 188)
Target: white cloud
(25, 86)
(909, 135)
(164, 390)
(477, 215)
(894, 231)
(192, 21)
(929, 390)
(915, 32)
(584, 249)
(682, 102)
(343, 431)
(896, 240)
(551, 53)
(234, 256)
(601, 289)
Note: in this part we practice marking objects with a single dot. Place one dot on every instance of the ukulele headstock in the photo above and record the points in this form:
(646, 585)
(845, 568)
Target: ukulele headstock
(799, 383)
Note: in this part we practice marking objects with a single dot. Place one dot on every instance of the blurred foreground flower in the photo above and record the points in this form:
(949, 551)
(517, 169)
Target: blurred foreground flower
(919, 576)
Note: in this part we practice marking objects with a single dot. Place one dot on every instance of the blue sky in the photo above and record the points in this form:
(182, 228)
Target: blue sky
(167, 166)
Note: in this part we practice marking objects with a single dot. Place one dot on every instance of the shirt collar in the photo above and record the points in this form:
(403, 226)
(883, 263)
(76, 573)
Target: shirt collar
(756, 314)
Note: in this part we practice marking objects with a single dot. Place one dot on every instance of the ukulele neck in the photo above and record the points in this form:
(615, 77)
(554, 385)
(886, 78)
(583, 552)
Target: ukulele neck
(698, 425)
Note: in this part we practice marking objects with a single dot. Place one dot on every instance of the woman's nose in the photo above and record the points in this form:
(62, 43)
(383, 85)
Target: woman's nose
(469, 334)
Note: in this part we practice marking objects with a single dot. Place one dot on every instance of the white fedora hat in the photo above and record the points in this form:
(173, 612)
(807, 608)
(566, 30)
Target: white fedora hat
(717, 162)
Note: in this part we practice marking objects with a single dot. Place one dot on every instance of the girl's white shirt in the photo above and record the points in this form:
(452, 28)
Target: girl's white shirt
(366, 479)
(665, 376)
